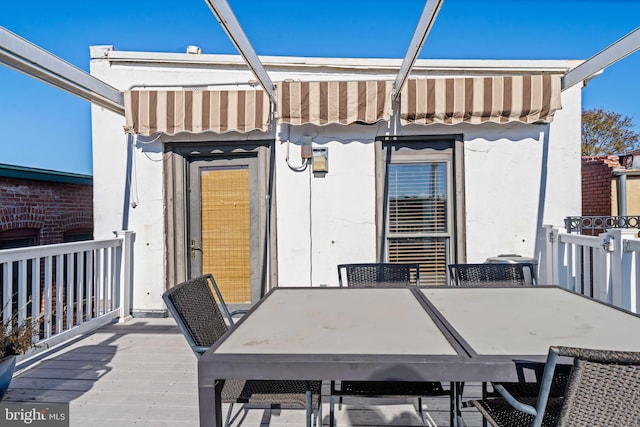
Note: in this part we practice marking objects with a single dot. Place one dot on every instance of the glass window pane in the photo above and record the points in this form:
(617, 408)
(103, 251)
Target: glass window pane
(417, 218)
(417, 198)
(430, 253)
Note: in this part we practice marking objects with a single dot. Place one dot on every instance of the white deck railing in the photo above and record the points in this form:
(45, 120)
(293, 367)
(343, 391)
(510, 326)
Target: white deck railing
(77, 287)
(604, 267)
(72, 288)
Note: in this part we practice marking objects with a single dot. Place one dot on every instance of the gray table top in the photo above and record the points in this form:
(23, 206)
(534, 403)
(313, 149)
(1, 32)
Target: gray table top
(528, 320)
(411, 334)
(338, 321)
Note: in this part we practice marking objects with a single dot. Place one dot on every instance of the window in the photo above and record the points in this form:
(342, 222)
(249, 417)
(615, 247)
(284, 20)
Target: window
(12, 239)
(19, 238)
(419, 208)
(77, 235)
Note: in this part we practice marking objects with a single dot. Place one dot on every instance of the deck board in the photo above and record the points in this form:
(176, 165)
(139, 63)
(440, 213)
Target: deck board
(142, 373)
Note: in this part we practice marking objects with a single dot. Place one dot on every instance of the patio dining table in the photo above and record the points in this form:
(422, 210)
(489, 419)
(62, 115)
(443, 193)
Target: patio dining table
(406, 334)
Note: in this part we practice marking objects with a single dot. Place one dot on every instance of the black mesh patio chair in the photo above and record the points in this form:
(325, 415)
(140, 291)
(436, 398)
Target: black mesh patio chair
(603, 390)
(200, 318)
(378, 274)
(383, 275)
(492, 274)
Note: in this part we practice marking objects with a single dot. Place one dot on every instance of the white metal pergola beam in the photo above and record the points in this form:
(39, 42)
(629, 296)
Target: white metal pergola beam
(601, 60)
(227, 19)
(27, 58)
(428, 17)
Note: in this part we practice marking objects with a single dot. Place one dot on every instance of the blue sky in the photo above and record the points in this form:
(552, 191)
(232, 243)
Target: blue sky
(46, 128)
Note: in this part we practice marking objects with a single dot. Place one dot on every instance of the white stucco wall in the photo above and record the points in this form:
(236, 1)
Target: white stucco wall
(324, 221)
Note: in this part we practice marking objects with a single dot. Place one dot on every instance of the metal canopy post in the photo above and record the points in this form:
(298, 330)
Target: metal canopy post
(429, 14)
(228, 20)
(606, 57)
(27, 58)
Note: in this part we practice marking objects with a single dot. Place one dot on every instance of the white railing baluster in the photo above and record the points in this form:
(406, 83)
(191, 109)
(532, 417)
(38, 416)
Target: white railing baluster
(97, 274)
(69, 288)
(79, 261)
(579, 276)
(48, 297)
(587, 272)
(59, 294)
(115, 284)
(90, 260)
(636, 270)
(7, 291)
(105, 279)
(22, 291)
(35, 289)
(112, 277)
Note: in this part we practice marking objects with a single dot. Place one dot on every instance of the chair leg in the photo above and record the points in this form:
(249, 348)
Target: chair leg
(452, 397)
(458, 395)
(309, 407)
(332, 401)
(228, 420)
(484, 396)
(319, 416)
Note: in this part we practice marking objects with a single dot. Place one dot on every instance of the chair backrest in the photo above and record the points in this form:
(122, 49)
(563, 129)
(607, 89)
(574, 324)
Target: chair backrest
(492, 274)
(196, 311)
(603, 388)
(379, 274)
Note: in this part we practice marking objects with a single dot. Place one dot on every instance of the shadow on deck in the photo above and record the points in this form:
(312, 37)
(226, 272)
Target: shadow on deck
(143, 373)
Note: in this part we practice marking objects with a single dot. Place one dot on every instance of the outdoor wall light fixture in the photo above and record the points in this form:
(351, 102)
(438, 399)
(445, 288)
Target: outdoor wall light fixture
(320, 160)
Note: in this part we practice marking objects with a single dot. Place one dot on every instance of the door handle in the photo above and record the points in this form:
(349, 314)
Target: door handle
(194, 248)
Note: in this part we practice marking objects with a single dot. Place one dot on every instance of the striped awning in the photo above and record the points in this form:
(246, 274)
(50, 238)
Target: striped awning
(195, 111)
(343, 102)
(503, 99)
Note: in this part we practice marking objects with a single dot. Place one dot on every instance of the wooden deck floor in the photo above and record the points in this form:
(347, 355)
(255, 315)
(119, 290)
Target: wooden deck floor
(142, 373)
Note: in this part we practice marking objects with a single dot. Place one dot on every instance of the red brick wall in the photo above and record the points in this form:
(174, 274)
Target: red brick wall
(596, 184)
(53, 208)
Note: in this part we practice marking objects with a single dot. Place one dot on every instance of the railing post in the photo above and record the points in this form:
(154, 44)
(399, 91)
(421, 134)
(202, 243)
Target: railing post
(631, 263)
(548, 269)
(602, 269)
(561, 261)
(622, 282)
(126, 278)
(632, 250)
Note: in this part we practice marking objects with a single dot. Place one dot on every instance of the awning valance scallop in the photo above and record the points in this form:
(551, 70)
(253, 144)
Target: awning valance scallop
(342, 102)
(498, 99)
(196, 111)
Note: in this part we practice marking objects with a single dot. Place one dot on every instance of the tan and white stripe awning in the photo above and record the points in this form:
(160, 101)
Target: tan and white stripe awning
(195, 111)
(498, 99)
(343, 102)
